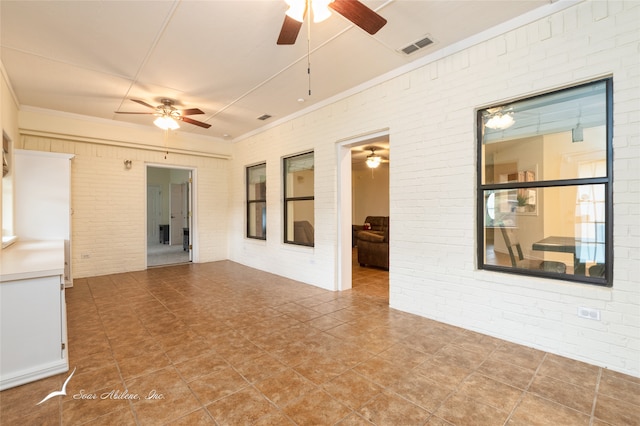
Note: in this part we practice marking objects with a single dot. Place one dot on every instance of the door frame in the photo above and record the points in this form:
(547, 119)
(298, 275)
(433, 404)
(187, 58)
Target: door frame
(344, 261)
(192, 200)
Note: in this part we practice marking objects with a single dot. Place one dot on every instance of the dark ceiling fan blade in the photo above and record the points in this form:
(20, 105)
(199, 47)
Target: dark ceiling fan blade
(192, 111)
(359, 14)
(196, 122)
(143, 103)
(289, 31)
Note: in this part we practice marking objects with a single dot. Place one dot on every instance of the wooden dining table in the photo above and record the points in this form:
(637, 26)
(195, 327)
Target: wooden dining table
(567, 245)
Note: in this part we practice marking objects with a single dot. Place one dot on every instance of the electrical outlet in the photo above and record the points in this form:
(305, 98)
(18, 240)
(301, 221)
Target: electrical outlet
(589, 313)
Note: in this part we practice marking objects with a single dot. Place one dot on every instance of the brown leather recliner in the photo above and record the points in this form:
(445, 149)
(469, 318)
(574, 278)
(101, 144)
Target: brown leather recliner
(373, 244)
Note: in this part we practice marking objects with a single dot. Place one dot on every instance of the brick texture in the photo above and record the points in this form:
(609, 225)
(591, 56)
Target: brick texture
(430, 112)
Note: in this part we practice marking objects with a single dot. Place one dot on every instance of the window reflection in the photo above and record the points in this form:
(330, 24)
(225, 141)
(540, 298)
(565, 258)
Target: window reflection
(544, 184)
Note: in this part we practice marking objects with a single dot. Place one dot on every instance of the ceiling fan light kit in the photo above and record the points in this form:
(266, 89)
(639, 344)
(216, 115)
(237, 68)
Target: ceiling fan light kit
(168, 115)
(353, 10)
(298, 9)
(373, 160)
(500, 121)
(166, 123)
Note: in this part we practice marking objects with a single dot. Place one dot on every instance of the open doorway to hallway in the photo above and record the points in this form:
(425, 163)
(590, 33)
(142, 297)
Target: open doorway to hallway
(168, 216)
(370, 200)
(364, 194)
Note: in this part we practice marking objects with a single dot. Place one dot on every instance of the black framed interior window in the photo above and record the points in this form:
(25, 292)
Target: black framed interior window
(257, 201)
(544, 202)
(299, 199)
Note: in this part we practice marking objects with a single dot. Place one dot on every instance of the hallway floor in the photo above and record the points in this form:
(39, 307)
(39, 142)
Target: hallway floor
(164, 254)
(220, 343)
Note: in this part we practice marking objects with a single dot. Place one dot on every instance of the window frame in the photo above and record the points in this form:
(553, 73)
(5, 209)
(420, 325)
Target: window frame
(287, 200)
(607, 181)
(251, 202)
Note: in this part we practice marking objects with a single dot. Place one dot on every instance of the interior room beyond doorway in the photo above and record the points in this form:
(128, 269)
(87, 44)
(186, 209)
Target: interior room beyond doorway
(369, 198)
(168, 219)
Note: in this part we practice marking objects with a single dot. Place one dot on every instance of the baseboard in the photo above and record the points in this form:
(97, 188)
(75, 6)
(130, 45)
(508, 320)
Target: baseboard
(32, 374)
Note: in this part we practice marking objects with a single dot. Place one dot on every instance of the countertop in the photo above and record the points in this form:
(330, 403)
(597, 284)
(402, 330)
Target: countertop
(31, 259)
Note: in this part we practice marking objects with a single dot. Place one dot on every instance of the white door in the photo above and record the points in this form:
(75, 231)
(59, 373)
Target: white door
(154, 213)
(178, 213)
(189, 204)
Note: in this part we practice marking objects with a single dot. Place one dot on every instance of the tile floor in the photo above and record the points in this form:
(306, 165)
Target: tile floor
(164, 254)
(219, 343)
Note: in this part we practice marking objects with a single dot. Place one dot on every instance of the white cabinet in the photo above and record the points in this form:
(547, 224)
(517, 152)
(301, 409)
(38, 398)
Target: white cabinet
(33, 320)
(43, 199)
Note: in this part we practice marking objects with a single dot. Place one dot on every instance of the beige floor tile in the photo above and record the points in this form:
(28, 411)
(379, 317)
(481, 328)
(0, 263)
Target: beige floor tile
(447, 374)
(565, 393)
(284, 387)
(217, 385)
(316, 408)
(506, 372)
(490, 392)
(518, 355)
(352, 389)
(617, 412)
(202, 365)
(422, 391)
(241, 408)
(226, 341)
(620, 386)
(175, 403)
(536, 411)
(381, 371)
(460, 409)
(568, 370)
(389, 409)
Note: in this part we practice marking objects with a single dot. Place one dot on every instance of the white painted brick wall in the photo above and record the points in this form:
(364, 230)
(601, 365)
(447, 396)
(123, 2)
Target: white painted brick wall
(430, 112)
(109, 204)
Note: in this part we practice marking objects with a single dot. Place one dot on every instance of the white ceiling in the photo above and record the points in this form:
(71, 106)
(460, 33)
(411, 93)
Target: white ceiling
(93, 57)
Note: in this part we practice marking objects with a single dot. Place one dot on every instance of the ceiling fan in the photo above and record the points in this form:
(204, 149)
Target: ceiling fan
(372, 159)
(168, 115)
(353, 10)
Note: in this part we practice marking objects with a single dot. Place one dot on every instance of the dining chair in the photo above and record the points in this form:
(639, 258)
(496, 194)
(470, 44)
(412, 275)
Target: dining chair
(517, 256)
(596, 270)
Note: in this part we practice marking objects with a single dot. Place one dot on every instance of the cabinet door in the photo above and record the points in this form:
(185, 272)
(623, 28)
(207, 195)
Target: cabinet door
(31, 323)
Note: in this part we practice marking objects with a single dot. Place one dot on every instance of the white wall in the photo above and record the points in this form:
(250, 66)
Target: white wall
(370, 192)
(430, 112)
(109, 200)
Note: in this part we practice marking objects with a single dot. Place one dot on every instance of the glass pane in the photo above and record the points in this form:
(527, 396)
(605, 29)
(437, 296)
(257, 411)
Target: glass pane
(299, 176)
(559, 229)
(300, 222)
(257, 220)
(549, 137)
(256, 181)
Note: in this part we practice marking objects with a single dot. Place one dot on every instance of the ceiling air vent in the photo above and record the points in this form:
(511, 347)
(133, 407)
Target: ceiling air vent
(264, 117)
(416, 45)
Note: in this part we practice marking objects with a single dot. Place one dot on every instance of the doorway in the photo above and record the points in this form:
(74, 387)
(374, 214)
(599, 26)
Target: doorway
(169, 224)
(362, 191)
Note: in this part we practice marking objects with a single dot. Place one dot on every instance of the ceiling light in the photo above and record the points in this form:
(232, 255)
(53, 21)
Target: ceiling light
(166, 123)
(499, 121)
(298, 8)
(320, 9)
(373, 160)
